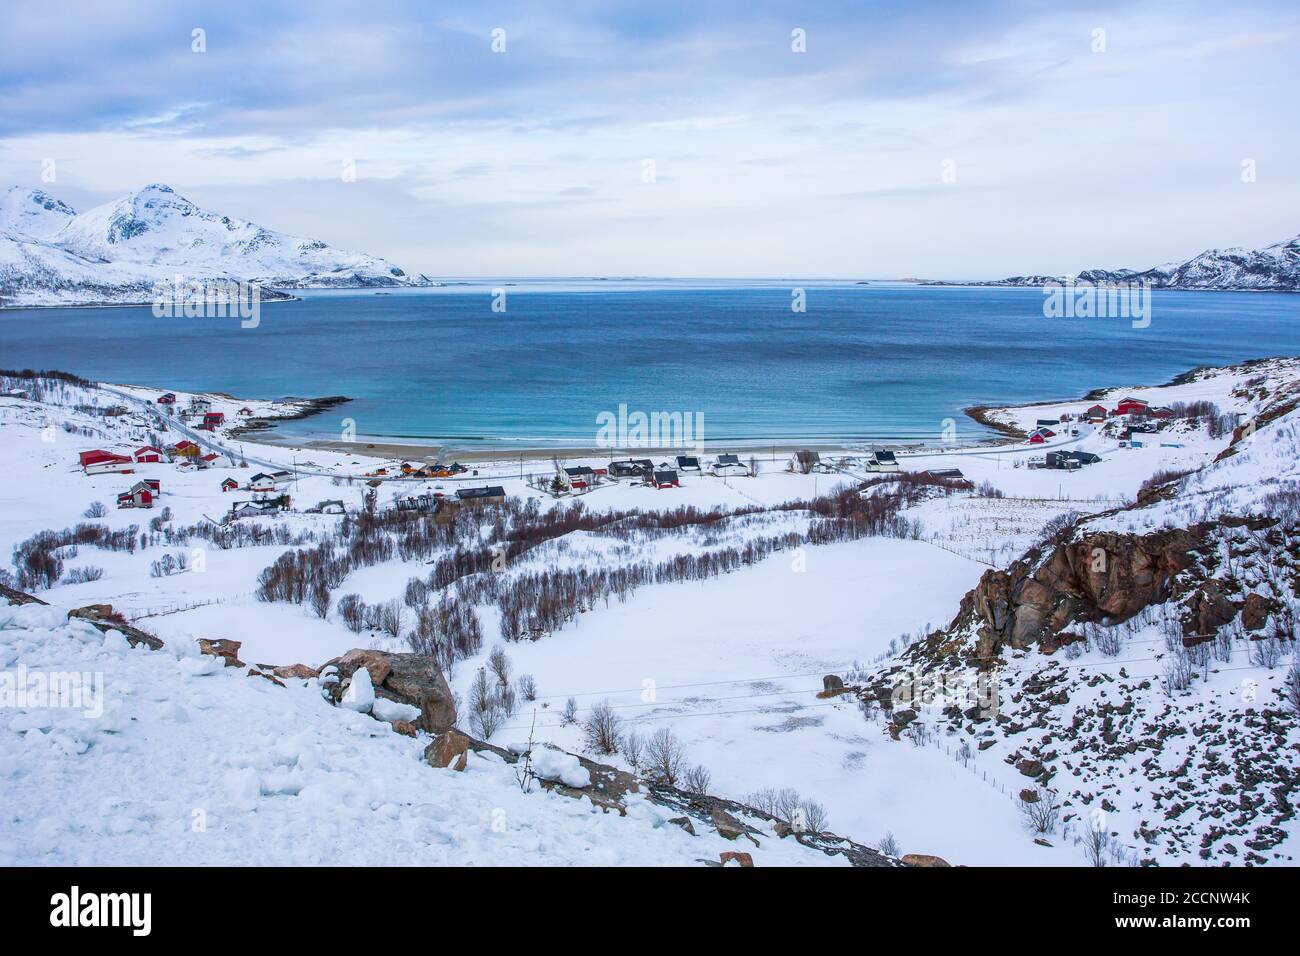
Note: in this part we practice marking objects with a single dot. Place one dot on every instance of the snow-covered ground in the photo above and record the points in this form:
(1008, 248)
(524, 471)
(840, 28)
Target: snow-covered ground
(732, 663)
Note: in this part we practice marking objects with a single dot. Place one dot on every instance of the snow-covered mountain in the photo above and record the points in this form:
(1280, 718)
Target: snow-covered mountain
(114, 253)
(1274, 268)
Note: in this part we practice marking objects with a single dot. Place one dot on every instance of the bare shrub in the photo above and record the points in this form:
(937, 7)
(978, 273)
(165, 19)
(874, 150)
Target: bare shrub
(499, 665)
(888, 844)
(633, 748)
(570, 713)
(1042, 814)
(1291, 689)
(1266, 653)
(1109, 641)
(603, 728)
(97, 509)
(82, 575)
(1177, 671)
(1097, 845)
(665, 756)
(392, 618)
(527, 687)
(353, 611)
(696, 781)
(488, 721)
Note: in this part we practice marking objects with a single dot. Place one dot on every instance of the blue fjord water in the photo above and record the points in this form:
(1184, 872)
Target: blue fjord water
(882, 361)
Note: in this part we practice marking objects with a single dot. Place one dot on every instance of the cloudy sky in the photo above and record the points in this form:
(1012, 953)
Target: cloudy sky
(940, 139)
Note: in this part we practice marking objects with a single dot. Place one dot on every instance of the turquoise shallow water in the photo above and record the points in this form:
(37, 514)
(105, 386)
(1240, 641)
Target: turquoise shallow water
(878, 361)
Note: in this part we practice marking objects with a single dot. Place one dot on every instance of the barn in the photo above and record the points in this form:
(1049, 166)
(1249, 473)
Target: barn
(1131, 406)
(1095, 414)
(140, 496)
(147, 454)
(99, 462)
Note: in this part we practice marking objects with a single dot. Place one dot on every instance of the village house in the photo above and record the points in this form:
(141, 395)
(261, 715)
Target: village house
(147, 454)
(254, 509)
(664, 479)
(576, 479)
(882, 461)
(1096, 414)
(1131, 406)
(200, 406)
(141, 495)
(688, 463)
(229, 484)
(946, 474)
(729, 465)
(168, 398)
(212, 419)
(245, 412)
(185, 449)
(423, 502)
(487, 495)
(632, 468)
(100, 462)
(331, 507)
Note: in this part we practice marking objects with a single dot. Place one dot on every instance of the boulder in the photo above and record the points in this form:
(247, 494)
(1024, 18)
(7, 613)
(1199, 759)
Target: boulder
(922, 859)
(105, 618)
(728, 827)
(684, 823)
(225, 649)
(448, 749)
(736, 856)
(405, 727)
(295, 671)
(1028, 796)
(254, 672)
(1030, 768)
(1255, 612)
(414, 679)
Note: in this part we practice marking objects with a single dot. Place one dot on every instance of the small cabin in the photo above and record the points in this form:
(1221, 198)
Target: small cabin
(664, 479)
(229, 484)
(487, 495)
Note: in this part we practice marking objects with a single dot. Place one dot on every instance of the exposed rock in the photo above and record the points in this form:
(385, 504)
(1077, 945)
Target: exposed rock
(832, 682)
(1255, 611)
(448, 749)
(1029, 796)
(405, 727)
(105, 618)
(295, 671)
(735, 856)
(684, 823)
(254, 672)
(1030, 768)
(414, 679)
(728, 827)
(923, 859)
(225, 649)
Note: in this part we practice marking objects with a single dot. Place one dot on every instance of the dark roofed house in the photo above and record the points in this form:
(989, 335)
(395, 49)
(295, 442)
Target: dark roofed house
(487, 495)
(580, 477)
(882, 461)
(632, 468)
(946, 474)
(688, 463)
(665, 479)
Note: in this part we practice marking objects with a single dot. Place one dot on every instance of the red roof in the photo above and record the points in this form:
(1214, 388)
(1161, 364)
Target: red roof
(185, 443)
(211, 456)
(99, 456)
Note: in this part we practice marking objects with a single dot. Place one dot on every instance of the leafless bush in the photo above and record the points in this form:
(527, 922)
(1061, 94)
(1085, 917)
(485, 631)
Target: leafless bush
(97, 509)
(603, 728)
(527, 687)
(633, 749)
(1177, 671)
(487, 722)
(84, 574)
(888, 844)
(1291, 689)
(499, 665)
(319, 599)
(353, 611)
(1042, 814)
(1108, 640)
(392, 617)
(665, 756)
(1266, 652)
(1096, 845)
(696, 781)
(789, 807)
(570, 713)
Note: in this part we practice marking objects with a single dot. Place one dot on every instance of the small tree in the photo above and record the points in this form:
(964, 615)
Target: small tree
(1042, 813)
(97, 509)
(696, 781)
(1291, 688)
(570, 713)
(665, 757)
(527, 687)
(888, 844)
(353, 612)
(633, 749)
(499, 665)
(603, 728)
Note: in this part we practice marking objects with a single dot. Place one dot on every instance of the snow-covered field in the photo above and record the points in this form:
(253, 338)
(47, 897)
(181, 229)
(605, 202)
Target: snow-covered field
(732, 664)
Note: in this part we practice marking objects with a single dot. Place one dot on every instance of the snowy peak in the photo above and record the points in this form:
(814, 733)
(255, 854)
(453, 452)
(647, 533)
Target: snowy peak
(1273, 268)
(32, 212)
(156, 232)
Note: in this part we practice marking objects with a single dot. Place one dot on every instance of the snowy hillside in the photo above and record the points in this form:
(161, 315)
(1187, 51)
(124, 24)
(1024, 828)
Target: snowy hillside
(1273, 268)
(50, 255)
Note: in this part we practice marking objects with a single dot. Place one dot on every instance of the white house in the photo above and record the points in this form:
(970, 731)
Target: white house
(729, 465)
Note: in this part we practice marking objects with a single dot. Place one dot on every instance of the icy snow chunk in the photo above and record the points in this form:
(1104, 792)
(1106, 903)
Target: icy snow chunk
(551, 764)
(115, 642)
(243, 788)
(360, 695)
(201, 666)
(34, 616)
(392, 710)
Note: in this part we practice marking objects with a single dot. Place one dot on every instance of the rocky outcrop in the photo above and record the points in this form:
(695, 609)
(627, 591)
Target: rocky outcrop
(448, 749)
(923, 859)
(1103, 575)
(414, 679)
(227, 650)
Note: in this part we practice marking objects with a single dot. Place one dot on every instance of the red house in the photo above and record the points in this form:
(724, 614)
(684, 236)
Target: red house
(168, 399)
(99, 462)
(147, 454)
(1037, 438)
(140, 496)
(155, 485)
(1131, 406)
(230, 485)
(664, 479)
(245, 411)
(1095, 413)
(212, 419)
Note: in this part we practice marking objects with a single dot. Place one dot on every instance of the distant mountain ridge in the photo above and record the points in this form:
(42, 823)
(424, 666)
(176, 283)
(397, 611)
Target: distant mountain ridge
(1274, 268)
(117, 252)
